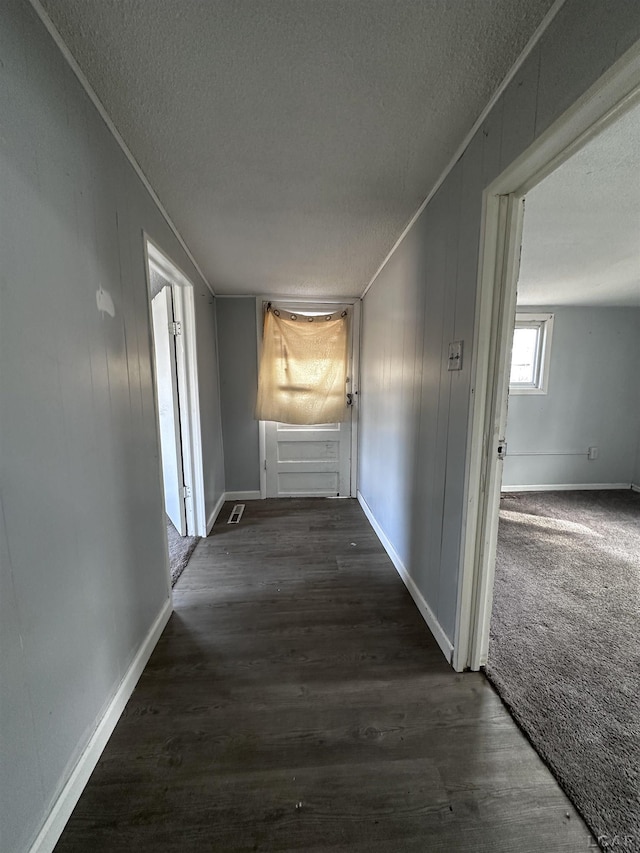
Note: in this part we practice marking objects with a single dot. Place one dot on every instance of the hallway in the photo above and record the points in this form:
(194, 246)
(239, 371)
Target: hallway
(296, 701)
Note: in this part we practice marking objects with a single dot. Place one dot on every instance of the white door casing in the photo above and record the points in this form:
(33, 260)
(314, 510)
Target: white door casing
(187, 382)
(168, 408)
(314, 460)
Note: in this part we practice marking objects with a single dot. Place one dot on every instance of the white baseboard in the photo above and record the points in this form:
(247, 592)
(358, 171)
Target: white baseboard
(566, 487)
(211, 520)
(635, 487)
(243, 496)
(427, 613)
(61, 810)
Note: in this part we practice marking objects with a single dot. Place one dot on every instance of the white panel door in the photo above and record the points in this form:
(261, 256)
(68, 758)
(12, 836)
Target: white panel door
(313, 461)
(168, 410)
(307, 461)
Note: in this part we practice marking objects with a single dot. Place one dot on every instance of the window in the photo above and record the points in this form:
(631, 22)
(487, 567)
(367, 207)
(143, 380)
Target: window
(530, 354)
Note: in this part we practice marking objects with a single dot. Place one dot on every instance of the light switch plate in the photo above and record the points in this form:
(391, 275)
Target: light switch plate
(455, 355)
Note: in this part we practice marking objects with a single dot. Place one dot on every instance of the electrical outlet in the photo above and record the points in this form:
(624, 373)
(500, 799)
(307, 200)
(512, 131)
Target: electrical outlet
(592, 453)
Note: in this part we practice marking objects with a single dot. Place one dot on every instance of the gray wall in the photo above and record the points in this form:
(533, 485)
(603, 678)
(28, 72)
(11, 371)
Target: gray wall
(237, 344)
(593, 399)
(82, 563)
(413, 412)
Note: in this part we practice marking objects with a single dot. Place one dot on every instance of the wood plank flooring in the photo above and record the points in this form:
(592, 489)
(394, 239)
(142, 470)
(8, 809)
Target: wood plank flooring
(296, 701)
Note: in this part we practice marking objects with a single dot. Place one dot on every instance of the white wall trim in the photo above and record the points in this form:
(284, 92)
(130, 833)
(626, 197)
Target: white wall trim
(528, 48)
(215, 512)
(262, 449)
(243, 496)
(426, 612)
(356, 348)
(566, 487)
(635, 487)
(70, 794)
(55, 35)
(262, 427)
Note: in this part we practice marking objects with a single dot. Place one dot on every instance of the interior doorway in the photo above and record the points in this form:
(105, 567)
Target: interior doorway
(564, 630)
(554, 558)
(610, 98)
(172, 315)
(315, 460)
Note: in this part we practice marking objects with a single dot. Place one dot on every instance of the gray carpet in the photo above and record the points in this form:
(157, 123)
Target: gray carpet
(180, 549)
(564, 651)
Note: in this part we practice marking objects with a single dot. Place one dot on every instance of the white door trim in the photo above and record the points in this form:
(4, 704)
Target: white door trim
(614, 93)
(262, 430)
(356, 302)
(188, 385)
(355, 390)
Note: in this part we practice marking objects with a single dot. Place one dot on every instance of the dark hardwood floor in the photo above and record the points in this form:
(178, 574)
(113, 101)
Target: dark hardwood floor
(297, 701)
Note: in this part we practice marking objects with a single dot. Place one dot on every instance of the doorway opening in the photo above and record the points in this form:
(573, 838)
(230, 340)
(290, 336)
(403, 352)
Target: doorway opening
(617, 92)
(553, 524)
(172, 314)
(564, 631)
(313, 460)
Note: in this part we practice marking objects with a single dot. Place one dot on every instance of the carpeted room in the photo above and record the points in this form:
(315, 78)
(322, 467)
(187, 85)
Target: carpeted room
(564, 651)
(565, 639)
(180, 550)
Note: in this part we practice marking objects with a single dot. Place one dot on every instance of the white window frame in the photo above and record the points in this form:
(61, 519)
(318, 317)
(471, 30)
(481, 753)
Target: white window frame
(544, 324)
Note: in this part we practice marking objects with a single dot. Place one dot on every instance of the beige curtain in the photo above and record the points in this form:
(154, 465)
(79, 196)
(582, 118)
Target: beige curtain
(303, 368)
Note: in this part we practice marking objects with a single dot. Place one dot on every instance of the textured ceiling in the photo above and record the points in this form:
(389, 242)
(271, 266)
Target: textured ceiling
(291, 140)
(581, 239)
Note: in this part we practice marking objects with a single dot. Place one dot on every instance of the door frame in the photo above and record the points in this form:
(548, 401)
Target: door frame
(501, 232)
(166, 368)
(188, 384)
(356, 303)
